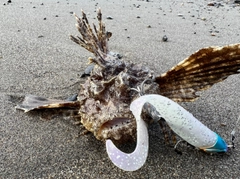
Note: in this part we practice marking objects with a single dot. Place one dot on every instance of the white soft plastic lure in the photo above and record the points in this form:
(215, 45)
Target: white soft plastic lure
(135, 160)
(181, 122)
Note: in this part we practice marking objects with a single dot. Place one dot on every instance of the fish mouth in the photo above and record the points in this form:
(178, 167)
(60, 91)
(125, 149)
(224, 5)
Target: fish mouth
(119, 129)
(116, 122)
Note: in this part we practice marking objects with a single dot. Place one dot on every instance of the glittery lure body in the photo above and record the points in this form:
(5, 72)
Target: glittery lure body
(183, 123)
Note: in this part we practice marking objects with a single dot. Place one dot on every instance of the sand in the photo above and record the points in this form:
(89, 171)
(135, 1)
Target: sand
(38, 58)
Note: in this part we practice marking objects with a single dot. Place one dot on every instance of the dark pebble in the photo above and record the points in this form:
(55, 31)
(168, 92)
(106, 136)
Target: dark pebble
(216, 4)
(40, 36)
(109, 17)
(137, 6)
(164, 38)
(44, 18)
(9, 1)
(42, 4)
(138, 17)
(211, 4)
(71, 12)
(56, 16)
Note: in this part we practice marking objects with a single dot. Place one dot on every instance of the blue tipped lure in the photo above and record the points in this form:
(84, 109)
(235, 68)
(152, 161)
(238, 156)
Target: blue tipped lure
(180, 121)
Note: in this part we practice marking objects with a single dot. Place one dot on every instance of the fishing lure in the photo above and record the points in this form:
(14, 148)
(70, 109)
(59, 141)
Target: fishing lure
(104, 100)
(180, 121)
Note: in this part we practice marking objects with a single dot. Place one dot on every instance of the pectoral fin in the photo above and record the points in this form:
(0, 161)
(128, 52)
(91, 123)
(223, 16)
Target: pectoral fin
(32, 102)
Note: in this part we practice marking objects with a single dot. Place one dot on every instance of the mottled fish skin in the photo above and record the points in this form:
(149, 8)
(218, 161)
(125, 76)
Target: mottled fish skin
(106, 95)
(105, 98)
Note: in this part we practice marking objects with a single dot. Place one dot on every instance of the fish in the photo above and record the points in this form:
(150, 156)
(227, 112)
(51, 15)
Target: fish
(113, 84)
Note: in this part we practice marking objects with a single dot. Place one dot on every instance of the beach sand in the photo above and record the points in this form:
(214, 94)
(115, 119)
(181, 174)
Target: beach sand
(39, 58)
